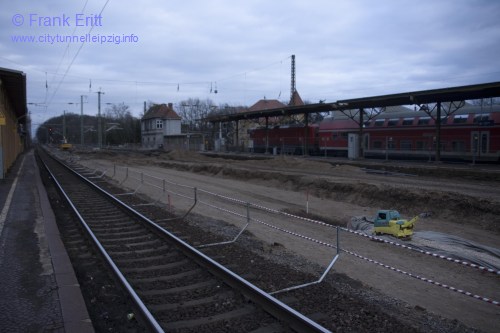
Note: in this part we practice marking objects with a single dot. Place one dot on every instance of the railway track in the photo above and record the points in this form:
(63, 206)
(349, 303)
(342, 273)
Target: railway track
(174, 286)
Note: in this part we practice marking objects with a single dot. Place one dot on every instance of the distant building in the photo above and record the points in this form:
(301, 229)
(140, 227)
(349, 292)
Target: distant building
(245, 126)
(158, 124)
(296, 100)
(14, 119)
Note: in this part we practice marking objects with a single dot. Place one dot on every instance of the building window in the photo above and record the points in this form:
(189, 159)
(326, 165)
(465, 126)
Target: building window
(159, 124)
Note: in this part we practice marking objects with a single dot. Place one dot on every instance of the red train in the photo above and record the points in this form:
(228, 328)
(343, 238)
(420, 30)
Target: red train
(287, 139)
(470, 133)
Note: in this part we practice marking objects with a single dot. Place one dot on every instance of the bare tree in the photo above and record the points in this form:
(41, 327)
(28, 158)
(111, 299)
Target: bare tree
(121, 126)
(117, 111)
(484, 102)
(193, 111)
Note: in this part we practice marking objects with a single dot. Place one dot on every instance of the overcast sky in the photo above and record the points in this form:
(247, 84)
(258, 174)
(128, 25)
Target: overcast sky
(181, 49)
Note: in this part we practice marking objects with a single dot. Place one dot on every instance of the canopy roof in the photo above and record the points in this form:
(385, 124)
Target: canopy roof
(462, 93)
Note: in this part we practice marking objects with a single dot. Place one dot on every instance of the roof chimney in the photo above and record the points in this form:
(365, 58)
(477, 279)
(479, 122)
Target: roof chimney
(170, 106)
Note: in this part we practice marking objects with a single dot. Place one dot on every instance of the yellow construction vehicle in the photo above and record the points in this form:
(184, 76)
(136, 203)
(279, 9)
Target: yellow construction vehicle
(390, 222)
(65, 145)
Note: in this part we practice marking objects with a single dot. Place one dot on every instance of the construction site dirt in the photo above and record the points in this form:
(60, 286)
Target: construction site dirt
(462, 201)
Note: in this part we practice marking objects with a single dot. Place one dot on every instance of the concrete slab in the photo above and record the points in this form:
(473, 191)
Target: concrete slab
(38, 288)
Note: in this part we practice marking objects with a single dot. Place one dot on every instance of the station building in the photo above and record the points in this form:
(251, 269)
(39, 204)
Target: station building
(14, 120)
(159, 124)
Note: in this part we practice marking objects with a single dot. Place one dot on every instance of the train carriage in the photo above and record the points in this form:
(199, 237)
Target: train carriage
(287, 139)
(333, 136)
(472, 133)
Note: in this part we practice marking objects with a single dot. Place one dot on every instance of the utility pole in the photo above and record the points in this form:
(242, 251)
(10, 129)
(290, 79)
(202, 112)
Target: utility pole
(99, 127)
(64, 126)
(81, 120)
(292, 76)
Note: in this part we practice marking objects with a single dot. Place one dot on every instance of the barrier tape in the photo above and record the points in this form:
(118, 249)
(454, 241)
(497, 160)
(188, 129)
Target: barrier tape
(421, 278)
(432, 254)
(429, 253)
(418, 277)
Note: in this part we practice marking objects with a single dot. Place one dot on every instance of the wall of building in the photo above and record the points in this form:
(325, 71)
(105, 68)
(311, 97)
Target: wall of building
(11, 144)
(172, 127)
(153, 137)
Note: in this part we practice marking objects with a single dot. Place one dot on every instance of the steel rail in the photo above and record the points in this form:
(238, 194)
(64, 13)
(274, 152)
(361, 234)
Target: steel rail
(273, 306)
(144, 312)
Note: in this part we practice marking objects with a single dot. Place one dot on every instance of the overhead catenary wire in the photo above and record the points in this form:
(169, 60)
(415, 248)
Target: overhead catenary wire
(66, 50)
(75, 56)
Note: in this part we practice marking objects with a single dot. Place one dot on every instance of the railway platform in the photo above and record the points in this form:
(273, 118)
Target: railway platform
(38, 288)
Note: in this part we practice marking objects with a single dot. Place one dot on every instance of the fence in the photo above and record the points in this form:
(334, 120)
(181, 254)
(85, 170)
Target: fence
(182, 200)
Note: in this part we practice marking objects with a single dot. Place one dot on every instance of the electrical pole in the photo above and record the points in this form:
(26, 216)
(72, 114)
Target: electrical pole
(81, 120)
(64, 126)
(292, 76)
(99, 129)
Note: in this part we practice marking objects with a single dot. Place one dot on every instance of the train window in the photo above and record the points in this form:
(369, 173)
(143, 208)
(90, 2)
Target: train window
(460, 119)
(480, 117)
(424, 120)
(392, 122)
(484, 142)
(379, 122)
(377, 145)
(407, 121)
(405, 145)
(344, 135)
(421, 145)
(444, 120)
(458, 146)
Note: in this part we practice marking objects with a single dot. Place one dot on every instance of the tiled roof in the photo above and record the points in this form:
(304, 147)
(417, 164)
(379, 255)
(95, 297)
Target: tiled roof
(162, 111)
(266, 104)
(296, 99)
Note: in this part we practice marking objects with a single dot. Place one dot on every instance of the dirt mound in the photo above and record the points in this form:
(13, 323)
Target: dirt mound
(458, 207)
(343, 183)
(295, 163)
(344, 168)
